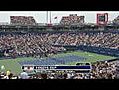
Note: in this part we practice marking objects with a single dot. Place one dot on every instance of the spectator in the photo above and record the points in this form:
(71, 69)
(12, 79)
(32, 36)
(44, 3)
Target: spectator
(22, 20)
(8, 73)
(2, 68)
(24, 75)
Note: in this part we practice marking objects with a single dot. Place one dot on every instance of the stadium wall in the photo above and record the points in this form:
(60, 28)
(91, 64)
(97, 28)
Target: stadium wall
(100, 50)
(93, 49)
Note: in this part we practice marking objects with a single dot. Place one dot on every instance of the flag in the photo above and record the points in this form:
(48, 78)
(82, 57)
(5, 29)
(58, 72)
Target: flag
(55, 17)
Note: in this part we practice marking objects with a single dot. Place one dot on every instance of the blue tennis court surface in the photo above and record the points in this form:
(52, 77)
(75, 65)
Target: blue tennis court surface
(54, 60)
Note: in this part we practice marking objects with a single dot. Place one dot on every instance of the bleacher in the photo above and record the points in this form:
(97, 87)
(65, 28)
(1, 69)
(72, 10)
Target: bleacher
(72, 19)
(22, 20)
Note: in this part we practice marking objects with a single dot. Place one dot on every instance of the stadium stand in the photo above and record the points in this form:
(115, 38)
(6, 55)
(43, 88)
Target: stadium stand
(34, 44)
(22, 20)
(116, 21)
(72, 19)
(26, 45)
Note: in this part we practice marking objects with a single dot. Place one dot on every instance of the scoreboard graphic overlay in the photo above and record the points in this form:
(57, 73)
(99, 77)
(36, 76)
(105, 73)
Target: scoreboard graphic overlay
(81, 67)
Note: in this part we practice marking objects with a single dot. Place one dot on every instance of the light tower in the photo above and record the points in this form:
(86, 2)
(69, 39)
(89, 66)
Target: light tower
(47, 17)
(50, 17)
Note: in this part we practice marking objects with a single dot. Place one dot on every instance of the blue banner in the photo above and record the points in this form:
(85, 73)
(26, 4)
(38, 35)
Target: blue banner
(86, 67)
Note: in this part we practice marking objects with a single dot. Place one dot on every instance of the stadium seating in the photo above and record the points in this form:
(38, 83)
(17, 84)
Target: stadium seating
(42, 44)
(72, 19)
(22, 20)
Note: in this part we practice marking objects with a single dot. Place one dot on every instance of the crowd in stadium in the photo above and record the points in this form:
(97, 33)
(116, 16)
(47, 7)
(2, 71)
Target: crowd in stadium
(41, 44)
(106, 40)
(27, 45)
(100, 70)
(72, 19)
(22, 20)
(104, 70)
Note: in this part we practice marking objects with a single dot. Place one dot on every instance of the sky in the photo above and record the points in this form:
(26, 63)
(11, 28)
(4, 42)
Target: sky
(40, 16)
